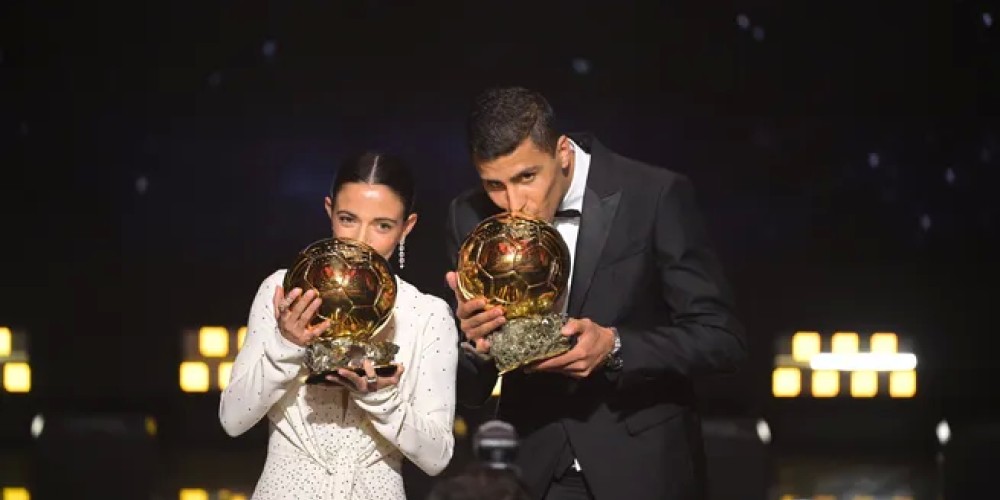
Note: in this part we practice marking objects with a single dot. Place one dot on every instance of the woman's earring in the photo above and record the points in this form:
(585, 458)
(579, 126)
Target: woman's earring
(402, 253)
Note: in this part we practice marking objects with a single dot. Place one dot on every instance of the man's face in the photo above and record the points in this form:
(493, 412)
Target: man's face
(529, 179)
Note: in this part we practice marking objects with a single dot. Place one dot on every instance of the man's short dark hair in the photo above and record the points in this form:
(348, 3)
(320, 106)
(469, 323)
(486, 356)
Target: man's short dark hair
(502, 118)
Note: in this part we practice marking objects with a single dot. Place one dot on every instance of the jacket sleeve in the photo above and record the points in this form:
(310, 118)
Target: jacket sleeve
(421, 425)
(476, 376)
(265, 365)
(703, 335)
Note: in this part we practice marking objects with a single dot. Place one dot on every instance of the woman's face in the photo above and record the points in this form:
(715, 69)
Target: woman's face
(372, 213)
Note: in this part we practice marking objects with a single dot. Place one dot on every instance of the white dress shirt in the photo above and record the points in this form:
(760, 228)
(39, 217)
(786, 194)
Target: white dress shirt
(569, 228)
(330, 443)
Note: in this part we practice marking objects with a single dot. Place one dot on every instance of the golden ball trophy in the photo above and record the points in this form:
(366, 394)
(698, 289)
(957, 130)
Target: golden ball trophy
(358, 291)
(522, 264)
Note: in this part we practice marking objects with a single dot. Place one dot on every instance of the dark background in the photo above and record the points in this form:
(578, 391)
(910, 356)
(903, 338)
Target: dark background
(161, 158)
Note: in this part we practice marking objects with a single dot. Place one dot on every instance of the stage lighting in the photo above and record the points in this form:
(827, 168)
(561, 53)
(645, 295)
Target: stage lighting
(210, 494)
(805, 345)
(865, 369)
(16, 369)
(786, 382)
(943, 432)
(208, 357)
(461, 427)
(825, 383)
(864, 384)
(5, 341)
(192, 494)
(194, 376)
(225, 371)
(903, 384)
(213, 341)
(16, 493)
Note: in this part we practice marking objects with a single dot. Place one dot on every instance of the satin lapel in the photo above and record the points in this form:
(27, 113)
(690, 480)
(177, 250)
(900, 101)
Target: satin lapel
(595, 226)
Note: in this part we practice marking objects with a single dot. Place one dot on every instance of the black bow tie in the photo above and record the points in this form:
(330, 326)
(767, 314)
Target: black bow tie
(571, 213)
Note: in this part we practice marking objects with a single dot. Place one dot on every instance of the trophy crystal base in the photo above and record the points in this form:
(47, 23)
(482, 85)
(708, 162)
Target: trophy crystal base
(328, 354)
(521, 341)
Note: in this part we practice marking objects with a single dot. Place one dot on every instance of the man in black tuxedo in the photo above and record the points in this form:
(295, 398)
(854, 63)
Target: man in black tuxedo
(613, 418)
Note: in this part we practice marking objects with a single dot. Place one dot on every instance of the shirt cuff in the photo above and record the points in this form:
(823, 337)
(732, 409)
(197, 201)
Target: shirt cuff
(381, 403)
(283, 349)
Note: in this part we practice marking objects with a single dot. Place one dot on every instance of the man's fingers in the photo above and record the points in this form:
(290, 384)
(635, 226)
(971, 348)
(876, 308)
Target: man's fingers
(483, 346)
(480, 318)
(562, 361)
(469, 309)
(486, 328)
(573, 327)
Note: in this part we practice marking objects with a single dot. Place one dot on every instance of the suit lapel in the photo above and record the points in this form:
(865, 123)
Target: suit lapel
(595, 226)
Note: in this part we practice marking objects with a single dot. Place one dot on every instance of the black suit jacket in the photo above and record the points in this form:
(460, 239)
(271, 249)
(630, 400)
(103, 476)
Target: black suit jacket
(643, 265)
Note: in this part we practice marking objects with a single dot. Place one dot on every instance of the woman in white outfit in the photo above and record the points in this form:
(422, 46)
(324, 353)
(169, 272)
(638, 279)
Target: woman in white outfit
(347, 440)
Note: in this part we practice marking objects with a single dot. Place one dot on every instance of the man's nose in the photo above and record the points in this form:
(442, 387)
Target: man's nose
(515, 202)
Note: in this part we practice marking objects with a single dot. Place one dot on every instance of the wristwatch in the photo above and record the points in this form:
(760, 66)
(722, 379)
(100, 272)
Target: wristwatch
(614, 359)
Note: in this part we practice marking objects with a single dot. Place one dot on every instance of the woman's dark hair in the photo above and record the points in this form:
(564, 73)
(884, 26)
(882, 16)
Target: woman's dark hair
(373, 167)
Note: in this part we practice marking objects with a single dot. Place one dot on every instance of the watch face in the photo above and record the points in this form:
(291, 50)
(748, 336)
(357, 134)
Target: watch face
(615, 363)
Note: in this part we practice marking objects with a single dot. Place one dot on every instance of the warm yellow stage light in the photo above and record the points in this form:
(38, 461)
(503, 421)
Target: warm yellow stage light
(241, 335)
(844, 343)
(805, 345)
(151, 426)
(903, 384)
(16, 493)
(193, 494)
(825, 383)
(786, 382)
(213, 341)
(884, 343)
(864, 384)
(461, 427)
(225, 371)
(194, 376)
(17, 377)
(5, 341)
(496, 388)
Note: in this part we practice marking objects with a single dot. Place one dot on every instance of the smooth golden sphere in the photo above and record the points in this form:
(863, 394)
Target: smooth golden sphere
(515, 261)
(355, 284)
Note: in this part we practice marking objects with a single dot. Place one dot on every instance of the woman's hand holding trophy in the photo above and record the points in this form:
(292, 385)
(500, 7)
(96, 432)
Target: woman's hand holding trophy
(348, 301)
(294, 312)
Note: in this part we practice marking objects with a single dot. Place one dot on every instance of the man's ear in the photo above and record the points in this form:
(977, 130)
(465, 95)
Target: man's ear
(564, 152)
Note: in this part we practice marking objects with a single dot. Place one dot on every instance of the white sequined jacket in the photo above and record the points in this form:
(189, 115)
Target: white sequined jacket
(330, 443)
